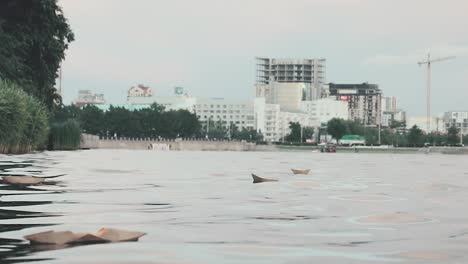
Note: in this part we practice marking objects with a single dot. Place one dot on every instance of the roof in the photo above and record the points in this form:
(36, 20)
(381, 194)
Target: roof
(352, 137)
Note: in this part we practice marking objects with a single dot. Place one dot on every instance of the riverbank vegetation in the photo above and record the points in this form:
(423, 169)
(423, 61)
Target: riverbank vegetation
(23, 120)
(395, 135)
(34, 35)
(151, 122)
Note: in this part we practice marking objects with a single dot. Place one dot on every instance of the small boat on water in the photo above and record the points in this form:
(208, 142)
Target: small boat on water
(104, 235)
(257, 179)
(23, 180)
(26, 179)
(296, 171)
(116, 235)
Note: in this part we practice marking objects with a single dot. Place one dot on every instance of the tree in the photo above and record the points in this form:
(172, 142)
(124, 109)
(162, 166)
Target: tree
(415, 136)
(397, 124)
(453, 136)
(308, 133)
(337, 128)
(295, 133)
(355, 127)
(92, 120)
(248, 134)
(34, 35)
(434, 138)
(372, 136)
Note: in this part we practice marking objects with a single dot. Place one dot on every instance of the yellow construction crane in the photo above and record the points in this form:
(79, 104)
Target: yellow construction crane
(428, 62)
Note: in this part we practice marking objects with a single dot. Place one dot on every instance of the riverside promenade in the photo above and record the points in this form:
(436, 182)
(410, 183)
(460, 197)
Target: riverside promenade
(181, 144)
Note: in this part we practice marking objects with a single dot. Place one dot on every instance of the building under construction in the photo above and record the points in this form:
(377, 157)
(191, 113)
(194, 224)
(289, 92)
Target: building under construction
(364, 101)
(272, 73)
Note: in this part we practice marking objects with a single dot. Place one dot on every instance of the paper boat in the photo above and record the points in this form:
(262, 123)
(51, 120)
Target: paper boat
(305, 172)
(104, 235)
(24, 180)
(257, 179)
(51, 237)
(116, 235)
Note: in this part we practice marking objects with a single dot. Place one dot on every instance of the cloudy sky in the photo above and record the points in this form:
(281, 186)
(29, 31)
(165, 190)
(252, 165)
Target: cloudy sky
(208, 46)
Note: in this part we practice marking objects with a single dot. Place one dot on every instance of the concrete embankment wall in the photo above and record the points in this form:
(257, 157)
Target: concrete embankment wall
(188, 145)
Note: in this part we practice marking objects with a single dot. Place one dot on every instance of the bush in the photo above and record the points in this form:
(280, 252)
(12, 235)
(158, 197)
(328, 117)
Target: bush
(65, 135)
(23, 120)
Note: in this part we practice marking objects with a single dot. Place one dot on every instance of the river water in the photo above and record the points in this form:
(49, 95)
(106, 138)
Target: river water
(201, 207)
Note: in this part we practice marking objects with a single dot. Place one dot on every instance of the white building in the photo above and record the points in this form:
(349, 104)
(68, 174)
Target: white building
(139, 91)
(288, 95)
(274, 123)
(459, 119)
(86, 97)
(437, 124)
(179, 101)
(322, 110)
(240, 113)
(389, 104)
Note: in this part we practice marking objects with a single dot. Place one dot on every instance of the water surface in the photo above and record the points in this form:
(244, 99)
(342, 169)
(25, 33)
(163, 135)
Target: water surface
(201, 207)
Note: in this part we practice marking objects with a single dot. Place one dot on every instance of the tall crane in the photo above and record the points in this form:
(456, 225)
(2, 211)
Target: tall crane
(428, 62)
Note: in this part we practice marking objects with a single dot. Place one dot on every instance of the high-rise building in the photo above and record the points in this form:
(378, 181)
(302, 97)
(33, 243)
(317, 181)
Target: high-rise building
(389, 104)
(364, 101)
(309, 72)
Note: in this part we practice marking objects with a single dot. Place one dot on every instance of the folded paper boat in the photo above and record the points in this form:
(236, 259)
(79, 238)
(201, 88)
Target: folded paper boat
(26, 180)
(104, 235)
(257, 179)
(305, 172)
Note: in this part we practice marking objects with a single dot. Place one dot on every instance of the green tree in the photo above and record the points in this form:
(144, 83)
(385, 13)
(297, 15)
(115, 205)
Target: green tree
(308, 133)
(415, 136)
(92, 120)
(435, 138)
(397, 124)
(295, 133)
(355, 127)
(453, 136)
(34, 35)
(337, 128)
(371, 135)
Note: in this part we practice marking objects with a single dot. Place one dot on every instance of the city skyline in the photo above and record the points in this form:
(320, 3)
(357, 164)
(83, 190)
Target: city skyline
(169, 44)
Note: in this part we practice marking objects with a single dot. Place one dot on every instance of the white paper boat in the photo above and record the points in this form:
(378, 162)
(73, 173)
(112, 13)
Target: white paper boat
(104, 235)
(296, 171)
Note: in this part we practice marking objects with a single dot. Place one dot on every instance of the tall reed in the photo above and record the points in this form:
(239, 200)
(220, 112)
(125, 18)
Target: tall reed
(65, 135)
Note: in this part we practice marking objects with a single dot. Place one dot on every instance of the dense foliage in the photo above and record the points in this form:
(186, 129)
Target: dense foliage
(152, 122)
(34, 35)
(298, 133)
(65, 135)
(337, 128)
(395, 135)
(23, 120)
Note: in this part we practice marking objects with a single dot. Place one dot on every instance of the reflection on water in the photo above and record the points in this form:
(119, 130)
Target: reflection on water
(201, 207)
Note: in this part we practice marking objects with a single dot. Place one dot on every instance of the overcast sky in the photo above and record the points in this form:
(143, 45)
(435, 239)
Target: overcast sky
(208, 46)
